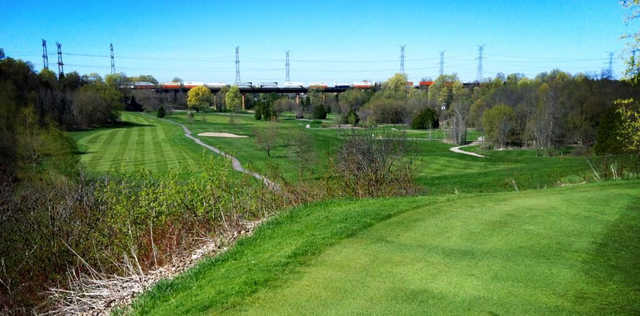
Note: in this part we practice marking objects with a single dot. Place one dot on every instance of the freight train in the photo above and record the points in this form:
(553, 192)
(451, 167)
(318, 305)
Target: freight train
(270, 85)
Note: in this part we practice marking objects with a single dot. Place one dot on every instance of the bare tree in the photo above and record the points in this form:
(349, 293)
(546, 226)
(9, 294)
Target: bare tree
(266, 138)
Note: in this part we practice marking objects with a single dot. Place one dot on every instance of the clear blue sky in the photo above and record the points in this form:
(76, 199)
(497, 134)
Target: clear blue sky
(329, 40)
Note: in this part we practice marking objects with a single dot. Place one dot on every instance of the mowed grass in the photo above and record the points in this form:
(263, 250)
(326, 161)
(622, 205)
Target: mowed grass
(140, 142)
(437, 169)
(572, 250)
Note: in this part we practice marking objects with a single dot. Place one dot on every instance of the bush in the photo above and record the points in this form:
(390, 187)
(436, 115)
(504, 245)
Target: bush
(370, 166)
(257, 114)
(498, 123)
(319, 112)
(351, 117)
(49, 223)
(95, 105)
(385, 110)
(427, 118)
(161, 112)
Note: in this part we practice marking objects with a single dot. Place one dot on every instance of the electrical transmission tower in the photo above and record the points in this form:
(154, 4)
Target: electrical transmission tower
(237, 65)
(480, 50)
(60, 63)
(113, 62)
(402, 59)
(442, 63)
(286, 66)
(45, 56)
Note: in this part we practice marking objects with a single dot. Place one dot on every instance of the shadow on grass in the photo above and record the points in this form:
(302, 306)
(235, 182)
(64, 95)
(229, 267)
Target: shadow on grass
(128, 124)
(613, 266)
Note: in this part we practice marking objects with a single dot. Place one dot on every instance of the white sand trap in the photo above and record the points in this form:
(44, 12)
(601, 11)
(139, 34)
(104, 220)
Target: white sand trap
(228, 135)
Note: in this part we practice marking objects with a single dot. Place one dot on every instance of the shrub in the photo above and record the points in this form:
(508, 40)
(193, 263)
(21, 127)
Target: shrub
(426, 118)
(258, 111)
(319, 112)
(370, 166)
(161, 112)
(50, 223)
(350, 117)
(498, 122)
(385, 110)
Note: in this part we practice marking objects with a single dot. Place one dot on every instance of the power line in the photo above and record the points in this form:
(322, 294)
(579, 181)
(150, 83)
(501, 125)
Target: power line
(237, 64)
(113, 63)
(60, 63)
(45, 55)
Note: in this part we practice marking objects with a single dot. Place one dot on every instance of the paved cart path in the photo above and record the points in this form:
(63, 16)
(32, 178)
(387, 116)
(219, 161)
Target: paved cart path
(460, 151)
(235, 163)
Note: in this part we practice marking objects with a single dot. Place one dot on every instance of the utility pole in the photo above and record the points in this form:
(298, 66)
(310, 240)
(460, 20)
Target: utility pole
(287, 78)
(237, 65)
(480, 49)
(442, 63)
(60, 63)
(402, 59)
(113, 62)
(45, 56)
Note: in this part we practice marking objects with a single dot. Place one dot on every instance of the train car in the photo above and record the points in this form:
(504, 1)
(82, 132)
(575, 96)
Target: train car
(426, 84)
(247, 84)
(193, 84)
(268, 84)
(363, 84)
(292, 85)
(171, 85)
(318, 85)
(143, 85)
(342, 85)
(215, 84)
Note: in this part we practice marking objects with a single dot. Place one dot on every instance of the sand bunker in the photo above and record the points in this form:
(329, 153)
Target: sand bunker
(229, 135)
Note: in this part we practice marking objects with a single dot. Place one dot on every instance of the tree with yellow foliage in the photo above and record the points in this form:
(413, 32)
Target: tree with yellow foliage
(629, 133)
(198, 97)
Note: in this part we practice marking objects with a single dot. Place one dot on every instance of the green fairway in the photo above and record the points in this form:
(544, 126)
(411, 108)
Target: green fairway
(437, 169)
(141, 142)
(572, 250)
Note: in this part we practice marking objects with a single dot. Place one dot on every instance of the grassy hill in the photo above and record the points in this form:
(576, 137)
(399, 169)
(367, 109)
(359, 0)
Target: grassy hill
(147, 142)
(571, 250)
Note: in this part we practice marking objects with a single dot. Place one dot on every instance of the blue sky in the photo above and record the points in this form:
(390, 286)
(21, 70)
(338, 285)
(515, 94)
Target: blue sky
(341, 41)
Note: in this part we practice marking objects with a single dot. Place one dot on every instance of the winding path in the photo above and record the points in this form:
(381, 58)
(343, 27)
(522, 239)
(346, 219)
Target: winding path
(235, 163)
(460, 151)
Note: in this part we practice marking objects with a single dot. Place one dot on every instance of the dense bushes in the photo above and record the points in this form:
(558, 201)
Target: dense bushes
(554, 109)
(95, 105)
(498, 123)
(425, 119)
(319, 112)
(371, 166)
(162, 112)
(48, 225)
